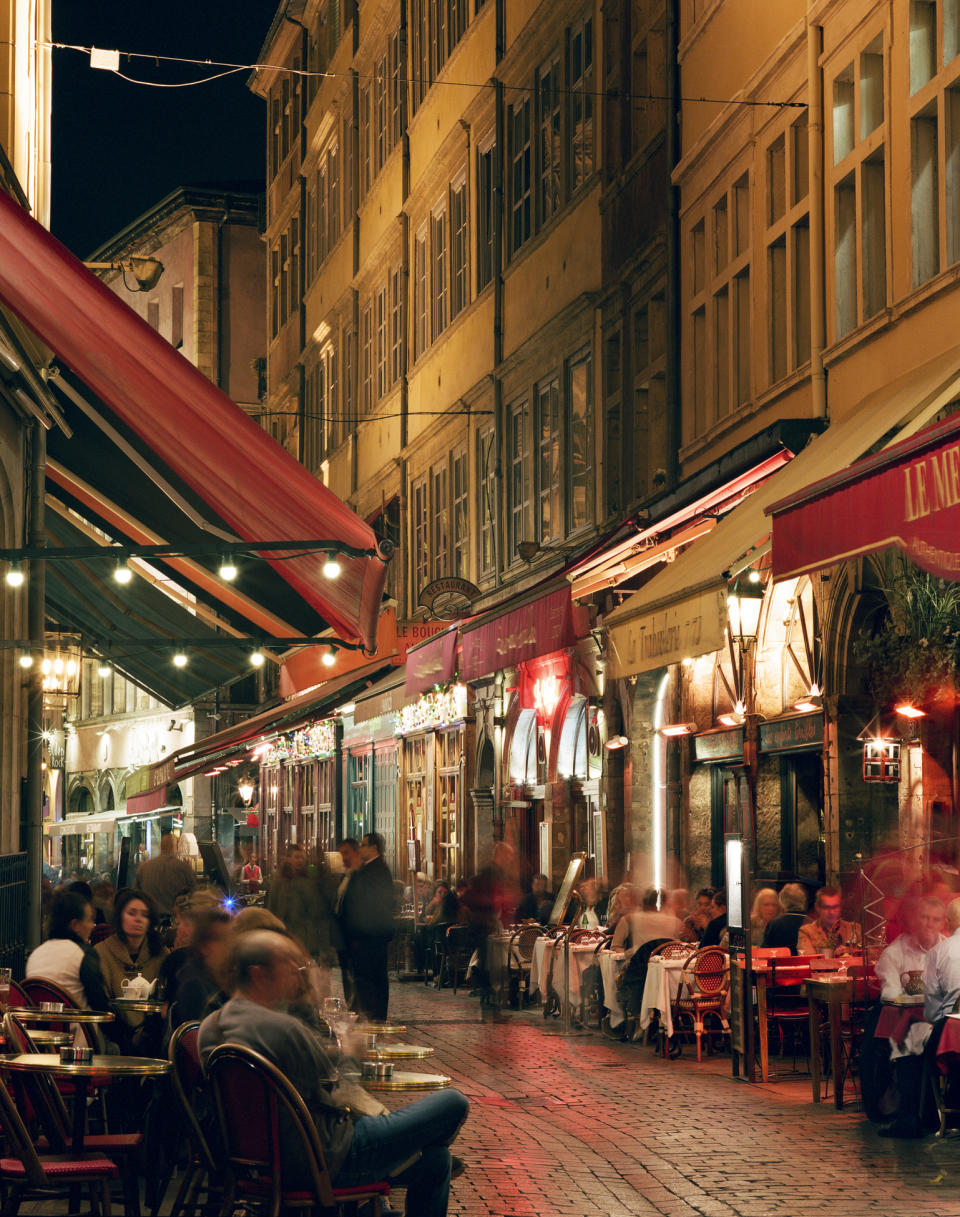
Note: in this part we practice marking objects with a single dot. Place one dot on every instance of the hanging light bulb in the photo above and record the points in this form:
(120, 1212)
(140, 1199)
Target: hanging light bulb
(179, 660)
(122, 573)
(104, 670)
(332, 567)
(228, 570)
(15, 575)
(257, 659)
(26, 660)
(329, 658)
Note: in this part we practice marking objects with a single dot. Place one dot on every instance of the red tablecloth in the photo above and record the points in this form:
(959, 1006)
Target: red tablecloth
(948, 1049)
(894, 1022)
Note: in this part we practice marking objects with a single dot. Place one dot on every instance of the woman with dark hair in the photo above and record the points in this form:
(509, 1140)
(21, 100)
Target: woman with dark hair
(133, 949)
(67, 957)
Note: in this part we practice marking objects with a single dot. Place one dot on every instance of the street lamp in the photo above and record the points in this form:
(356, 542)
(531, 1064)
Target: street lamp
(146, 271)
(744, 602)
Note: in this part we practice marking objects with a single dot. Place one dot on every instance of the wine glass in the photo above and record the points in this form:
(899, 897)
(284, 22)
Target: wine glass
(332, 1010)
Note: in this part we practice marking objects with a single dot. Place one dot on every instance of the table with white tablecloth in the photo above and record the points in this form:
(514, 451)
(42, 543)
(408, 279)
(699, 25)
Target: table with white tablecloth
(611, 964)
(544, 950)
(664, 977)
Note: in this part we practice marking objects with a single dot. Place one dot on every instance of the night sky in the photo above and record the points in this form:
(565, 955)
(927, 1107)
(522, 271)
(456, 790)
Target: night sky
(119, 148)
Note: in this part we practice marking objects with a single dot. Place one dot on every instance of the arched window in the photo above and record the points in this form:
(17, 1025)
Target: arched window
(572, 752)
(523, 749)
(80, 801)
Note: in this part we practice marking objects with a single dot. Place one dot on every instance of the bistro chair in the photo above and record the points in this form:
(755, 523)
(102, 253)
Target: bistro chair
(17, 995)
(673, 949)
(457, 949)
(705, 980)
(27, 1175)
(186, 1080)
(520, 961)
(45, 1103)
(251, 1095)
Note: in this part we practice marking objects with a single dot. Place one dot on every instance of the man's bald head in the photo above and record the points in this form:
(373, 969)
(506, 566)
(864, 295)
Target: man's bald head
(260, 949)
(953, 915)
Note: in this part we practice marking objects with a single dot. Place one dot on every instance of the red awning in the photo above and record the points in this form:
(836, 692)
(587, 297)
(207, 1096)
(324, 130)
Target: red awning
(255, 486)
(137, 804)
(431, 663)
(906, 496)
(551, 622)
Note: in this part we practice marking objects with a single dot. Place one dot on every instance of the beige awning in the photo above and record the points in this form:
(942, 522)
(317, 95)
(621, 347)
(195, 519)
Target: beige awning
(681, 612)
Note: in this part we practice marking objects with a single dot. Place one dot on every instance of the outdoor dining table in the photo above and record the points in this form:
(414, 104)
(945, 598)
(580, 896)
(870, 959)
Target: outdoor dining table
(611, 965)
(660, 991)
(581, 957)
(137, 1005)
(82, 1074)
(406, 1080)
(834, 992)
(32, 1014)
(397, 1052)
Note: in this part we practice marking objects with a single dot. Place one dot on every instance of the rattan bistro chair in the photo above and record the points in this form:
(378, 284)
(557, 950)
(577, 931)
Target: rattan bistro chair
(705, 980)
(250, 1094)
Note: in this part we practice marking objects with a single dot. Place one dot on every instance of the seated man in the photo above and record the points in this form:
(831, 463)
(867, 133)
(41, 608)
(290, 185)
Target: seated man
(536, 904)
(409, 1145)
(828, 931)
(908, 951)
(782, 931)
(718, 919)
(646, 924)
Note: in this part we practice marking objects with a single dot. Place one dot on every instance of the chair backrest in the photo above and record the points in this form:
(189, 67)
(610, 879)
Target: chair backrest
(17, 995)
(673, 950)
(707, 972)
(185, 1078)
(18, 1138)
(581, 935)
(44, 1099)
(250, 1093)
(100, 932)
(41, 988)
(523, 941)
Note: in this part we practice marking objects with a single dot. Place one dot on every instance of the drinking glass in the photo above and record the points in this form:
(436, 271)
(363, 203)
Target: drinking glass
(332, 1010)
(6, 975)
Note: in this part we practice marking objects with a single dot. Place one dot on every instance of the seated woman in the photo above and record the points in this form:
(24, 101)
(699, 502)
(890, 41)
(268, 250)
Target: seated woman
(133, 949)
(766, 906)
(198, 984)
(66, 957)
(440, 912)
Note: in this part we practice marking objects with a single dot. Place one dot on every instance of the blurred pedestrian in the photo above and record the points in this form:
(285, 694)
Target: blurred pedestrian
(367, 921)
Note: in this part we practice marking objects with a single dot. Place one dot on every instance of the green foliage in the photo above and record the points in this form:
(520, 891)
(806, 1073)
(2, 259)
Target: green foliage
(915, 651)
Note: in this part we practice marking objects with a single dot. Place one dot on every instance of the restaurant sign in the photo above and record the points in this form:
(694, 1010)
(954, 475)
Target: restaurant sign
(689, 627)
(798, 733)
(719, 745)
(907, 496)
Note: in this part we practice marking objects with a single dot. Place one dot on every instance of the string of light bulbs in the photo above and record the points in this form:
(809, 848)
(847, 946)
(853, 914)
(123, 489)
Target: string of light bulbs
(231, 69)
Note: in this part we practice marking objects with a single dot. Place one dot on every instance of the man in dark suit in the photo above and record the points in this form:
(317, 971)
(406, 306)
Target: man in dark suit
(782, 931)
(366, 919)
(718, 920)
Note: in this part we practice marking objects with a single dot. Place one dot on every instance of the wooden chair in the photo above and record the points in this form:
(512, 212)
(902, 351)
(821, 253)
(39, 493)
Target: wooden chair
(27, 1174)
(520, 960)
(44, 1100)
(706, 978)
(674, 949)
(250, 1094)
(457, 949)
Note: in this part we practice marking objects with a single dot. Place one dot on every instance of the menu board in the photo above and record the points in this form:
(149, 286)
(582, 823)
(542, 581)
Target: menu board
(574, 866)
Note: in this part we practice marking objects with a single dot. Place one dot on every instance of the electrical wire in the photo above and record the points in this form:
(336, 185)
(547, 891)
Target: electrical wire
(232, 68)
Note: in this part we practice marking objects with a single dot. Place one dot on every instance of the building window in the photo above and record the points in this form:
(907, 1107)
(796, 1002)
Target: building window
(487, 484)
(719, 309)
(333, 196)
(420, 535)
(396, 91)
(613, 425)
(438, 36)
(580, 464)
(581, 104)
(349, 202)
(440, 539)
(322, 219)
(366, 174)
(459, 271)
(460, 515)
(788, 250)
(419, 52)
(549, 479)
(519, 476)
(549, 147)
(341, 424)
(519, 127)
(176, 318)
(381, 133)
(421, 308)
(366, 359)
(858, 176)
(313, 420)
(438, 273)
(485, 214)
(383, 345)
(396, 325)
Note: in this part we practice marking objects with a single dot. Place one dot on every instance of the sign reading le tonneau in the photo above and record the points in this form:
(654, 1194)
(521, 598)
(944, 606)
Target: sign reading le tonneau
(801, 731)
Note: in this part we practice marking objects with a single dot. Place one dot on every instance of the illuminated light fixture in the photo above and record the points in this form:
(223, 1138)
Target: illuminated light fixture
(672, 729)
(907, 710)
(616, 742)
(808, 703)
(754, 576)
(730, 720)
(261, 750)
(245, 790)
(228, 570)
(104, 670)
(15, 576)
(744, 603)
(331, 567)
(740, 708)
(348, 708)
(328, 658)
(26, 660)
(122, 573)
(179, 660)
(257, 659)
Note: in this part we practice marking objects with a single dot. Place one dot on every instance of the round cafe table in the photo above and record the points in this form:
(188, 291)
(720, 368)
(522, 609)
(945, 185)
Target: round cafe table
(403, 1080)
(144, 1006)
(81, 1075)
(32, 1014)
(381, 1028)
(398, 1052)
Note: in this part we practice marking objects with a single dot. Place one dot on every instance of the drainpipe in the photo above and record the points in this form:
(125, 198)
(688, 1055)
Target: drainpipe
(497, 268)
(818, 321)
(674, 322)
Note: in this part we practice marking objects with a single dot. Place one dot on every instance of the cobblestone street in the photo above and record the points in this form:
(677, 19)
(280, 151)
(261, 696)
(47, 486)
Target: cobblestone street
(585, 1126)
